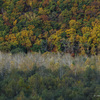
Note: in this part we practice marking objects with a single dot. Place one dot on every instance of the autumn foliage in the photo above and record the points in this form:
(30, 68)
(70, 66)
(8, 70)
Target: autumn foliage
(70, 26)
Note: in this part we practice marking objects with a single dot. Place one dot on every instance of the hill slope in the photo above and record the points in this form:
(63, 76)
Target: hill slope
(50, 25)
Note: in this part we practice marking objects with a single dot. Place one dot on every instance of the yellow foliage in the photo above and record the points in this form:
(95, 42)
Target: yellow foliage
(25, 33)
(58, 2)
(1, 39)
(77, 37)
(59, 32)
(28, 43)
(11, 38)
(96, 22)
(38, 42)
(74, 24)
(33, 38)
(95, 35)
(24, 37)
(54, 38)
(14, 23)
(93, 67)
(45, 34)
(93, 50)
(5, 18)
(41, 11)
(30, 27)
(71, 34)
(74, 10)
(86, 29)
(31, 2)
(84, 6)
(40, 36)
(82, 51)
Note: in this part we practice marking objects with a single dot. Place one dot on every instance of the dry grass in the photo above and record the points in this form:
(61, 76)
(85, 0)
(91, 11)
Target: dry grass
(50, 60)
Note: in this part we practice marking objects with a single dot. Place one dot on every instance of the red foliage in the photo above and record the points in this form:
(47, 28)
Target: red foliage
(7, 23)
(45, 3)
(73, 18)
(44, 17)
(96, 4)
(73, 54)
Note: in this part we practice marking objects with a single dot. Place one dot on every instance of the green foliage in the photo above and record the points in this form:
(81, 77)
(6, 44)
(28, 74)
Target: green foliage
(43, 84)
(17, 50)
(42, 47)
(36, 48)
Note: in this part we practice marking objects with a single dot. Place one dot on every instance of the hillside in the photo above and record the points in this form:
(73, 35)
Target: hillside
(49, 49)
(49, 76)
(71, 26)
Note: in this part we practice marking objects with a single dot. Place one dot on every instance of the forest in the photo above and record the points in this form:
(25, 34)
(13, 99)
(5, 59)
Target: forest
(43, 84)
(49, 76)
(70, 26)
(49, 49)
(42, 77)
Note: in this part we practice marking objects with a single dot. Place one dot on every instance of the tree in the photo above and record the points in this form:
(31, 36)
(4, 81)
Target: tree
(21, 96)
(23, 38)
(74, 24)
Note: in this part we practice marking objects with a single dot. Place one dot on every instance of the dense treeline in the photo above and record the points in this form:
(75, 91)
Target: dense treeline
(44, 84)
(49, 77)
(50, 25)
